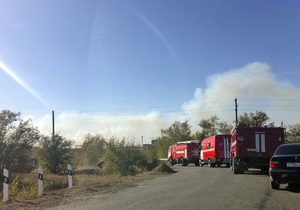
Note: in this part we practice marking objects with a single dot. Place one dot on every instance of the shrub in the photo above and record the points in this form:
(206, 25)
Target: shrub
(125, 160)
(55, 153)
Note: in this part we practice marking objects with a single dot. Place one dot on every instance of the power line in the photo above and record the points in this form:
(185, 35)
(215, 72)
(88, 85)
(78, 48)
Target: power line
(204, 107)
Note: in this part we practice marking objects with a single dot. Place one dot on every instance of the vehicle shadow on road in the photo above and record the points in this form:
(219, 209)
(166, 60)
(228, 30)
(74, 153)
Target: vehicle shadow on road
(294, 188)
(256, 172)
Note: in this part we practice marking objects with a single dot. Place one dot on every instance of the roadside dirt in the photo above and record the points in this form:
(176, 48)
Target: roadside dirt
(86, 186)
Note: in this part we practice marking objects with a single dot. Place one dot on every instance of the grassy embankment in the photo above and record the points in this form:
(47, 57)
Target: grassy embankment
(25, 186)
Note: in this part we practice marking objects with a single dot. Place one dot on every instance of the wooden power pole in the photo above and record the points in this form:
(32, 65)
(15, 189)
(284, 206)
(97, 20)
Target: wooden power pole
(236, 112)
(53, 130)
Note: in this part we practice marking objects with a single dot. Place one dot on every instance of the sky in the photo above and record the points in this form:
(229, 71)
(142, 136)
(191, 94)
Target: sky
(131, 68)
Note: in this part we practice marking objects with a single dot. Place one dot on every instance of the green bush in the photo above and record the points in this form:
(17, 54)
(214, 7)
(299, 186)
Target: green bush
(125, 160)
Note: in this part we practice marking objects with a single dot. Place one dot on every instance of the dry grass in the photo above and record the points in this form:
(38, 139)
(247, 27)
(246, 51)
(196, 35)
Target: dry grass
(86, 181)
(25, 186)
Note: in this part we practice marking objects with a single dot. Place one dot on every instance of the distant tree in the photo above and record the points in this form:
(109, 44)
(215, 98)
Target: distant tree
(209, 126)
(293, 133)
(254, 119)
(178, 131)
(224, 128)
(197, 135)
(55, 153)
(212, 126)
(17, 138)
(161, 145)
(93, 149)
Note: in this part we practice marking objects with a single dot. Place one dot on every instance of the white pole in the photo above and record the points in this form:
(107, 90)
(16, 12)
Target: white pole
(70, 176)
(40, 181)
(5, 185)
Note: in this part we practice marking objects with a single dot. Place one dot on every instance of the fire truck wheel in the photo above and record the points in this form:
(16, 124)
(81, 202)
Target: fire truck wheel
(209, 163)
(171, 162)
(234, 167)
(183, 162)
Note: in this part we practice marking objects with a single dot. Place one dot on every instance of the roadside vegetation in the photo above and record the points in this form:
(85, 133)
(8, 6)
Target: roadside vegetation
(23, 148)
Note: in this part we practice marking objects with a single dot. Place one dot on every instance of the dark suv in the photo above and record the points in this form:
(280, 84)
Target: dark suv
(285, 165)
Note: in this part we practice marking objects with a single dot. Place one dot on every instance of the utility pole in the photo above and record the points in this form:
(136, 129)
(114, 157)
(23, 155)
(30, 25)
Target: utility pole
(142, 141)
(236, 112)
(53, 131)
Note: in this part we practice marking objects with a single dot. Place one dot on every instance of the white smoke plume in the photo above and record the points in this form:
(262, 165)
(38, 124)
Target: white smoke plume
(254, 85)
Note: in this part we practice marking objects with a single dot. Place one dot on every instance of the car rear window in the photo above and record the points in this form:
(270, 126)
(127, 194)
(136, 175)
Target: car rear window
(288, 149)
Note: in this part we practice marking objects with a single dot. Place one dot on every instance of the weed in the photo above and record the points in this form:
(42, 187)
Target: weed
(19, 190)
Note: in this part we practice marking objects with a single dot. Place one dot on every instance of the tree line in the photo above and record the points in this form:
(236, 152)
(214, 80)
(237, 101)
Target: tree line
(180, 131)
(21, 142)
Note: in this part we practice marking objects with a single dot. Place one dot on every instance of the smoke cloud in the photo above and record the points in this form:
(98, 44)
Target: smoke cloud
(254, 85)
(256, 88)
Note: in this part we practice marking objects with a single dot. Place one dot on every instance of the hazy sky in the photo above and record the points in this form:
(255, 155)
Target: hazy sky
(129, 68)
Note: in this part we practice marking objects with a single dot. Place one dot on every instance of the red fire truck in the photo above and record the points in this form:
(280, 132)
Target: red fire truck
(252, 147)
(215, 151)
(184, 152)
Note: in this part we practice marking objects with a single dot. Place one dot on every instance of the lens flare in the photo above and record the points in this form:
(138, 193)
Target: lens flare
(21, 82)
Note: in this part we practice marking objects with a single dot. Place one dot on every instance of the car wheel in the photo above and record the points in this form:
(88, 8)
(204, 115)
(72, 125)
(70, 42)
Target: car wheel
(275, 185)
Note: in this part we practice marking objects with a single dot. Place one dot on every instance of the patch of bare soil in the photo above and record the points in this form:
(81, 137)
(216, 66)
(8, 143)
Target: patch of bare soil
(163, 169)
(86, 185)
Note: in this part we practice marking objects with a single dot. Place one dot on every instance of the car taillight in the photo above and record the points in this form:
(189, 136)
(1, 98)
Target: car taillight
(274, 164)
